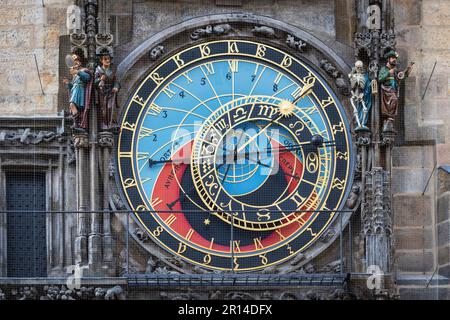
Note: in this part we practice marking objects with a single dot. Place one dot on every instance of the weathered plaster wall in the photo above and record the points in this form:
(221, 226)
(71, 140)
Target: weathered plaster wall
(28, 29)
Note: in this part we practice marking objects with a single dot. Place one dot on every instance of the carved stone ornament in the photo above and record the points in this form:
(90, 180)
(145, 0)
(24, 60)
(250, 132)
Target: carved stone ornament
(332, 267)
(388, 41)
(141, 235)
(62, 292)
(104, 44)
(81, 140)
(294, 265)
(295, 43)
(333, 72)
(117, 202)
(112, 169)
(105, 139)
(27, 136)
(363, 138)
(388, 138)
(156, 53)
(352, 200)
(327, 236)
(363, 41)
(78, 42)
(264, 31)
(376, 217)
(71, 157)
(217, 30)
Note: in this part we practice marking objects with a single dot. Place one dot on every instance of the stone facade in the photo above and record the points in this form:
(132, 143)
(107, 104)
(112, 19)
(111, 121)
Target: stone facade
(30, 31)
(32, 39)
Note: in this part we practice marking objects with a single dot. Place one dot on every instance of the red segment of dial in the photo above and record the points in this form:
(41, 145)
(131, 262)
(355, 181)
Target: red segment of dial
(167, 189)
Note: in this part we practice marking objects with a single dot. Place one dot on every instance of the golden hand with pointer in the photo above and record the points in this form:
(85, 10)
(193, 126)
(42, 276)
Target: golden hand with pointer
(258, 134)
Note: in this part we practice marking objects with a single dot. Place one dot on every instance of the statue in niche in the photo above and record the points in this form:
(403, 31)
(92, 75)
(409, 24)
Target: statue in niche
(80, 87)
(361, 95)
(107, 89)
(389, 78)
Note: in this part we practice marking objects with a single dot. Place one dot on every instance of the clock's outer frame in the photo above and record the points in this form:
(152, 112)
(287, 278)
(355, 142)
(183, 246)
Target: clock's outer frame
(136, 66)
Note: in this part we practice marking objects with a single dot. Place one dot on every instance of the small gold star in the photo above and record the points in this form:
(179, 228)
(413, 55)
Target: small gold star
(286, 108)
(207, 222)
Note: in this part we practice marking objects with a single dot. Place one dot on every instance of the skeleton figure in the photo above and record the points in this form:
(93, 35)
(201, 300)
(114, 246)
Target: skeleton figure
(361, 99)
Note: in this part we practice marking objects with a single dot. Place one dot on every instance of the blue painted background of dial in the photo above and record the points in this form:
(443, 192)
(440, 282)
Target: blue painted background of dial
(193, 95)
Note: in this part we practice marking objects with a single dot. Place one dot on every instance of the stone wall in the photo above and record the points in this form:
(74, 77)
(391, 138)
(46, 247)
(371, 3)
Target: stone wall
(150, 17)
(28, 30)
(422, 29)
(421, 214)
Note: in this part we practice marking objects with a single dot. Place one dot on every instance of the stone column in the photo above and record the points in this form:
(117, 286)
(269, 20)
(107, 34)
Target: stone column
(106, 142)
(388, 142)
(94, 240)
(376, 219)
(363, 141)
(81, 143)
(95, 226)
(373, 39)
(59, 217)
(3, 224)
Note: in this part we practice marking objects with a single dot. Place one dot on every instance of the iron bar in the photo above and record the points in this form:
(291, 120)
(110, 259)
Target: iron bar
(165, 211)
(341, 243)
(232, 244)
(39, 74)
(224, 280)
(429, 178)
(350, 238)
(127, 243)
(428, 83)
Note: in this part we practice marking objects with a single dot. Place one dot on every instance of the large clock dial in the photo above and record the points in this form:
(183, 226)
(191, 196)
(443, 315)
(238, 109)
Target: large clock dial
(234, 135)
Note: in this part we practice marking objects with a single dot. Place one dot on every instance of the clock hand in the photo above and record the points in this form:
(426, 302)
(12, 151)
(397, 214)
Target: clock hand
(235, 152)
(152, 162)
(184, 194)
(299, 146)
(258, 134)
(268, 166)
(293, 147)
(305, 90)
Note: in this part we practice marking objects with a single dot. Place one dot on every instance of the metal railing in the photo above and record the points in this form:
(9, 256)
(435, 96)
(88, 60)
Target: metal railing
(342, 252)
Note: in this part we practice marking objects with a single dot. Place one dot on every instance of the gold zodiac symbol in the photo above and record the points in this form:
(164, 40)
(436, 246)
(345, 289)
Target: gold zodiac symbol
(312, 162)
(300, 129)
(211, 185)
(338, 127)
(338, 184)
(263, 215)
(341, 155)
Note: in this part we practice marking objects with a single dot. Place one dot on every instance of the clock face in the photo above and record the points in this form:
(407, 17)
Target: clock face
(234, 155)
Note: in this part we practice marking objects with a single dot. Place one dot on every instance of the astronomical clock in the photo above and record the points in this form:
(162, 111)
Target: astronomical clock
(234, 154)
